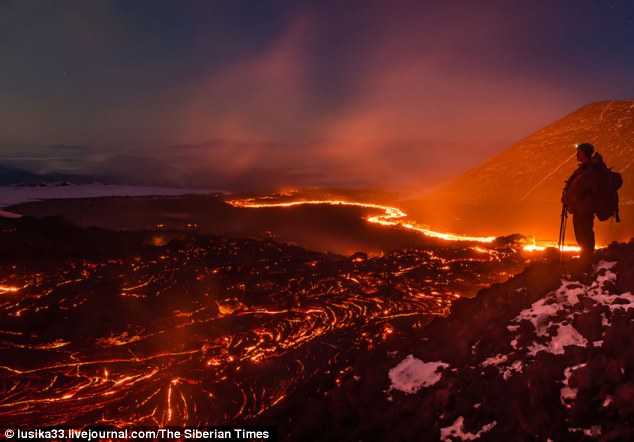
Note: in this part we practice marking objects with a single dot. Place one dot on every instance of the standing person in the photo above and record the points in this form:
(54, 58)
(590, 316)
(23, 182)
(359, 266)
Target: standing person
(579, 197)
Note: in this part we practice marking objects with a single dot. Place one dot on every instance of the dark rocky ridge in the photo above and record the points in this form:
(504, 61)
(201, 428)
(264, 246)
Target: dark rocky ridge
(499, 385)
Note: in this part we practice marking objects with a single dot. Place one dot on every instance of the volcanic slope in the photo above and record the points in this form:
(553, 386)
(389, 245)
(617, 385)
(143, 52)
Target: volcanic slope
(518, 190)
(535, 168)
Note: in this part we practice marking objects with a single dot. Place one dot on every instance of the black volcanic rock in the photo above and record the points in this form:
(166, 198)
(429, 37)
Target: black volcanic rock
(55, 238)
(546, 355)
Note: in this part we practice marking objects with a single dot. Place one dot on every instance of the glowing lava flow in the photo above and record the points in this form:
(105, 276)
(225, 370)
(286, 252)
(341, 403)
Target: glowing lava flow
(540, 248)
(392, 216)
(212, 329)
(4, 288)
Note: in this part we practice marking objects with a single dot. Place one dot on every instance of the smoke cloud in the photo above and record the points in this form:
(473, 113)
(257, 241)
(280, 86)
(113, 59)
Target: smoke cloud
(300, 94)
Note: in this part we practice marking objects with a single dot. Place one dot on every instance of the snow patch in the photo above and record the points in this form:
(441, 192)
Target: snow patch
(556, 310)
(495, 360)
(412, 374)
(552, 318)
(5, 214)
(624, 301)
(590, 432)
(568, 395)
(517, 367)
(605, 265)
(565, 335)
(457, 430)
(539, 312)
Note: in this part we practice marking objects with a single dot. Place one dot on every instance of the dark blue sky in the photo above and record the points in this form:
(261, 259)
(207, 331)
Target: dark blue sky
(377, 89)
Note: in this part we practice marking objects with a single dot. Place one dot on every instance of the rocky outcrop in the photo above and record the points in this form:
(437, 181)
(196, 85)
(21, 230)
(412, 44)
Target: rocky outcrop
(546, 355)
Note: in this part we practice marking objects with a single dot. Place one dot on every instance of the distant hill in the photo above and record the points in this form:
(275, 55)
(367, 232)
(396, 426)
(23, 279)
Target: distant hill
(11, 176)
(535, 168)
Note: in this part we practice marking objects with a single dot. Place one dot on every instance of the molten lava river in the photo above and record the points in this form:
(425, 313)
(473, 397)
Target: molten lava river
(211, 330)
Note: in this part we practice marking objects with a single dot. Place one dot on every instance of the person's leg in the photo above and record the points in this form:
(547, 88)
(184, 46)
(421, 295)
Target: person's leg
(583, 224)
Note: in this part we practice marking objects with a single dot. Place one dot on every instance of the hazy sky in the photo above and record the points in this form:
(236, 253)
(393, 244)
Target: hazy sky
(300, 92)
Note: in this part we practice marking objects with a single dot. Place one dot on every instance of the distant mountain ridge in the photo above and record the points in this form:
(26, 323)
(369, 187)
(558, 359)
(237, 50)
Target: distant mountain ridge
(535, 168)
(10, 176)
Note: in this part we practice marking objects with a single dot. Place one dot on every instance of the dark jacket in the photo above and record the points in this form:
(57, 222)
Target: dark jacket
(581, 191)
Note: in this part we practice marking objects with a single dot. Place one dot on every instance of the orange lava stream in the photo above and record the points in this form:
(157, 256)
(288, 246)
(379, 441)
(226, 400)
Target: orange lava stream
(4, 289)
(544, 245)
(392, 216)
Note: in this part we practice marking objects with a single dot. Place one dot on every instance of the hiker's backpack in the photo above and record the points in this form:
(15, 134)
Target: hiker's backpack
(607, 202)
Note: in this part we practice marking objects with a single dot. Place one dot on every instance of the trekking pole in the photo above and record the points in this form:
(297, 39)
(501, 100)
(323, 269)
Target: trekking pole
(564, 220)
(562, 230)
